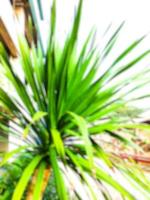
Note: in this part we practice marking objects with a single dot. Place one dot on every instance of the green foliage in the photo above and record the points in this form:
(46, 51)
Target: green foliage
(60, 105)
(50, 192)
(11, 173)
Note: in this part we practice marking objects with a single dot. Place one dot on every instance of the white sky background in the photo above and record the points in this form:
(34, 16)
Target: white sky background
(101, 13)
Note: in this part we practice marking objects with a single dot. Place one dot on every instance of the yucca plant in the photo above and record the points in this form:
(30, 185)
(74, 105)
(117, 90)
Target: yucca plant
(4, 138)
(58, 107)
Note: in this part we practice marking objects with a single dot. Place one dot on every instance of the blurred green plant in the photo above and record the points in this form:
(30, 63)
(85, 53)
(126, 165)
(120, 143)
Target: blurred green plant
(11, 173)
(60, 106)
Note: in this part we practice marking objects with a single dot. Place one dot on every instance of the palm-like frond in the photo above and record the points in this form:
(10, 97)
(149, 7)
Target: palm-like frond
(61, 104)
